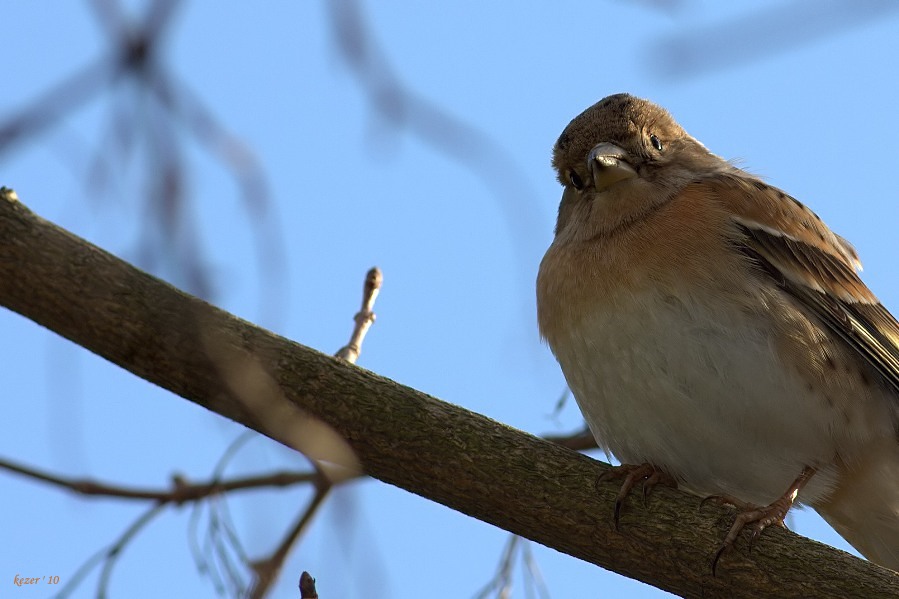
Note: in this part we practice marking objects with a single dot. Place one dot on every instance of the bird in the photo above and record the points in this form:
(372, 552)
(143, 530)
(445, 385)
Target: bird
(716, 334)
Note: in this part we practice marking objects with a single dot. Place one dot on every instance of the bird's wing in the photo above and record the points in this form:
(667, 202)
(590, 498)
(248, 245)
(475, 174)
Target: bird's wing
(814, 265)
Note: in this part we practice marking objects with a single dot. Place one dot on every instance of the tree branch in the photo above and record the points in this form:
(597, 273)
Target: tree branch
(351, 418)
(181, 491)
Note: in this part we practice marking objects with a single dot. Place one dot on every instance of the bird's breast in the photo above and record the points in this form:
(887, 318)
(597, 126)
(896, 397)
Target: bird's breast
(695, 387)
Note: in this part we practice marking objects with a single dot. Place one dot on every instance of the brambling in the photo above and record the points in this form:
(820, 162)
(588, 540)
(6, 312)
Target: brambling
(715, 331)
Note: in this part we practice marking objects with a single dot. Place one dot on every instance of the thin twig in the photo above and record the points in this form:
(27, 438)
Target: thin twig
(115, 551)
(180, 493)
(533, 571)
(501, 583)
(502, 580)
(267, 569)
(364, 318)
(219, 520)
(109, 556)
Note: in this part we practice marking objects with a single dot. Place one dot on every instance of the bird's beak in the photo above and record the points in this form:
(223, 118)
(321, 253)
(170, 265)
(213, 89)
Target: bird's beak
(608, 164)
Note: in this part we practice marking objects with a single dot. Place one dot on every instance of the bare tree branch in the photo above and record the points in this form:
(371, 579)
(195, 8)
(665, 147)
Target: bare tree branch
(267, 569)
(134, 55)
(350, 419)
(405, 110)
(770, 31)
(180, 493)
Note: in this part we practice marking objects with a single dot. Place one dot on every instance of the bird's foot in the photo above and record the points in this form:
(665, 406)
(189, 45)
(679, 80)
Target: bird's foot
(759, 517)
(633, 474)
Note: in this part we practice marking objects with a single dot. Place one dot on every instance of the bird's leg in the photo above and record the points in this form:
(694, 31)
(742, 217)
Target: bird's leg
(758, 517)
(632, 474)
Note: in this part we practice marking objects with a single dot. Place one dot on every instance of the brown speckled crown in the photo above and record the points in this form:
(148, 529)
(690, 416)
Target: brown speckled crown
(617, 119)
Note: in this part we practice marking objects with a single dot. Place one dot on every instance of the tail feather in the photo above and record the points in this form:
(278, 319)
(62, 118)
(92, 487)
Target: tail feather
(864, 508)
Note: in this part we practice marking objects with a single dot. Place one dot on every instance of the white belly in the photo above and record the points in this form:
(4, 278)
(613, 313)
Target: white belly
(699, 391)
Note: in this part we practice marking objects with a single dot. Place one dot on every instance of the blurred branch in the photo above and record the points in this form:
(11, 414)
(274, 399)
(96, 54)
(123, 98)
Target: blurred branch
(770, 31)
(134, 55)
(133, 52)
(579, 441)
(406, 110)
(47, 109)
(347, 418)
(501, 584)
(109, 556)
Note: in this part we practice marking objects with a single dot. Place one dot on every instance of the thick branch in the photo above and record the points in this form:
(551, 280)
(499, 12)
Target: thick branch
(342, 414)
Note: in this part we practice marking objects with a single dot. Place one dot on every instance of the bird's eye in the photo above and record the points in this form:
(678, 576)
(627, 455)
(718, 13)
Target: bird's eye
(575, 180)
(656, 142)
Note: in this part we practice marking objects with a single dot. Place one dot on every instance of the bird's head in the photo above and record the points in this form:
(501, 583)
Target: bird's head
(618, 160)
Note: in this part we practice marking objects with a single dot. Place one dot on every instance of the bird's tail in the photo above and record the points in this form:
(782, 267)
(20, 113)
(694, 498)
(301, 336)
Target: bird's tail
(864, 508)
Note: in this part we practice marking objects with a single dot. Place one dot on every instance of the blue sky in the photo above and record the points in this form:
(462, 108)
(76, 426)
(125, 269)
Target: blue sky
(802, 93)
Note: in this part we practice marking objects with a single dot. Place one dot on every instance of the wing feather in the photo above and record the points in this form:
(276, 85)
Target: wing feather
(814, 265)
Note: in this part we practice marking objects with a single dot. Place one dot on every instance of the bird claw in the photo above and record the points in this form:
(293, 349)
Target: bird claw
(632, 474)
(758, 517)
(657, 478)
(727, 500)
